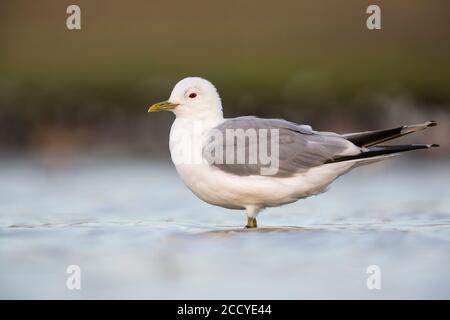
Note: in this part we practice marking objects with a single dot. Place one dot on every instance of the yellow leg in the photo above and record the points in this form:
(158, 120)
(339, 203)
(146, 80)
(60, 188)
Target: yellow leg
(251, 223)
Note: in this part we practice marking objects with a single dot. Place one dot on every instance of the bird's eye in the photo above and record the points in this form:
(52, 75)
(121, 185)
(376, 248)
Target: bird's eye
(192, 95)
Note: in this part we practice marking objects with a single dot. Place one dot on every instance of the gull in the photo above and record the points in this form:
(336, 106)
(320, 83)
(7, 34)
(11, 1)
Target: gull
(307, 161)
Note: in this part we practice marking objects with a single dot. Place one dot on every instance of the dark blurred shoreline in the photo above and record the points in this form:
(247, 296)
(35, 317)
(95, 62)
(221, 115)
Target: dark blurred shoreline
(145, 133)
(315, 63)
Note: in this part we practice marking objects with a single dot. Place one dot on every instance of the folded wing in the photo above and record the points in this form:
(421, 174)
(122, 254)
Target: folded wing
(300, 148)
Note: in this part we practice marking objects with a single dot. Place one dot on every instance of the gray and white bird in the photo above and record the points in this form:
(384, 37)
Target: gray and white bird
(308, 161)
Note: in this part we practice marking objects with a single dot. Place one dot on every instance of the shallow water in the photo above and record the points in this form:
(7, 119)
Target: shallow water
(137, 232)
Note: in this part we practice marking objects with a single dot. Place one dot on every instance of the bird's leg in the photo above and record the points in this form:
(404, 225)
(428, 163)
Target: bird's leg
(251, 223)
(252, 212)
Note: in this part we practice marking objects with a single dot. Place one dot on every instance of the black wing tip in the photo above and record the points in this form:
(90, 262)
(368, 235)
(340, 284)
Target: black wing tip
(381, 151)
(431, 123)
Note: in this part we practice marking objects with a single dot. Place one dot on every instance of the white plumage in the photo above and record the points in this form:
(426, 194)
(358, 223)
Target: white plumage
(198, 110)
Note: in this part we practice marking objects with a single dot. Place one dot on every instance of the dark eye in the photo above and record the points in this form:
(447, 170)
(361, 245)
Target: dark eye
(192, 95)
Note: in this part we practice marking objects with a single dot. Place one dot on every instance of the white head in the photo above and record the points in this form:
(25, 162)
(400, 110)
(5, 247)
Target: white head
(192, 97)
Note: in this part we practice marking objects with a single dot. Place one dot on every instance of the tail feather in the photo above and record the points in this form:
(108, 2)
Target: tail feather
(379, 151)
(371, 138)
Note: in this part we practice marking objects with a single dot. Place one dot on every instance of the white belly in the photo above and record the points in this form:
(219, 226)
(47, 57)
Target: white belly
(238, 192)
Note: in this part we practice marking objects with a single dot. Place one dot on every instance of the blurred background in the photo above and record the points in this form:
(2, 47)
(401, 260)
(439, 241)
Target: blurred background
(85, 176)
(64, 92)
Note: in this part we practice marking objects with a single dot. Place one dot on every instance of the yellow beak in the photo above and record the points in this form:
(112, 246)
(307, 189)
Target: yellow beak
(162, 106)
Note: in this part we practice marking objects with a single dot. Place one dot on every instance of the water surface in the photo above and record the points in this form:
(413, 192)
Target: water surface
(137, 232)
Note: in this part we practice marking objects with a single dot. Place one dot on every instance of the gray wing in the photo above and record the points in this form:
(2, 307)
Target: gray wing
(300, 147)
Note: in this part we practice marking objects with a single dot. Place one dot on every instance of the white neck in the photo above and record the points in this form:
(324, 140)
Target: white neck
(207, 115)
(188, 133)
